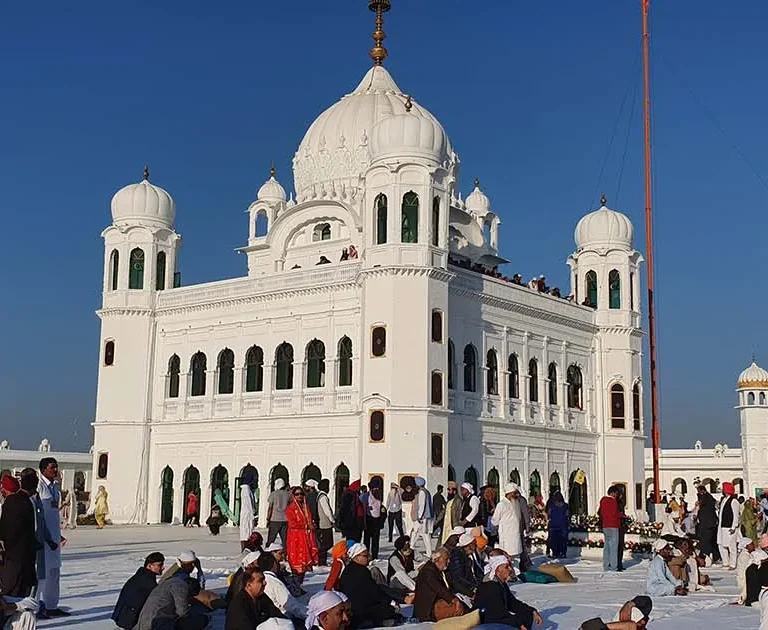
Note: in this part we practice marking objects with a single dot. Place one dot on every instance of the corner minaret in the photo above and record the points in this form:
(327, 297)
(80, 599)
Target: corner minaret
(753, 413)
(605, 277)
(140, 251)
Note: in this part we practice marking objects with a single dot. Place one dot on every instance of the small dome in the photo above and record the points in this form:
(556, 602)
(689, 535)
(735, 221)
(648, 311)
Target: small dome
(271, 191)
(143, 204)
(604, 227)
(411, 134)
(753, 377)
(477, 201)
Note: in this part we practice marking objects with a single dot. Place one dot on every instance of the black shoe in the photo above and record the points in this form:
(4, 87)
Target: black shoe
(58, 612)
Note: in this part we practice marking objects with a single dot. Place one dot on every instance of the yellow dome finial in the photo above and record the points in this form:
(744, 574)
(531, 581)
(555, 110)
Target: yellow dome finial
(378, 52)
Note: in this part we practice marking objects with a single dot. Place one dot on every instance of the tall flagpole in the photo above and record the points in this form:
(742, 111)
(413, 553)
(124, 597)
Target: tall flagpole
(649, 250)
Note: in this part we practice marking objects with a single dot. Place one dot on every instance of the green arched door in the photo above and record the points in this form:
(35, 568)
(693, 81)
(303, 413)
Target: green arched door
(166, 493)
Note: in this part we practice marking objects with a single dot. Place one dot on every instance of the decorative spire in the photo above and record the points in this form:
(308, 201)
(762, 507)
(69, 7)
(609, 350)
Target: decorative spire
(146, 172)
(408, 103)
(477, 182)
(272, 170)
(603, 200)
(378, 52)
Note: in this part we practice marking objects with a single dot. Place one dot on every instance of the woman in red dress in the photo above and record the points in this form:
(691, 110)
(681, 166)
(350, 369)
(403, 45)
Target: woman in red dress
(302, 544)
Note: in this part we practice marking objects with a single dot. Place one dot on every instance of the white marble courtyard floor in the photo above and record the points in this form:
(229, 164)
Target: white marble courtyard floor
(97, 563)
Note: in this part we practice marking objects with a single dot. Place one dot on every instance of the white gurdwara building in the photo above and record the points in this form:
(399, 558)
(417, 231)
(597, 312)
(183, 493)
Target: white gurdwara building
(371, 337)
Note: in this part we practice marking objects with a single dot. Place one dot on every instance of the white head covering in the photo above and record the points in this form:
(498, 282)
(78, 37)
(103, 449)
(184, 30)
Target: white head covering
(659, 545)
(321, 602)
(458, 530)
(187, 556)
(310, 483)
(511, 487)
(250, 558)
(743, 542)
(275, 624)
(468, 487)
(272, 547)
(356, 550)
(635, 615)
(279, 483)
(494, 563)
(466, 539)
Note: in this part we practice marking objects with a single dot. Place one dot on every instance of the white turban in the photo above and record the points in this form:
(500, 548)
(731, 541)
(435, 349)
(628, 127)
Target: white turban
(494, 563)
(275, 624)
(511, 487)
(468, 487)
(356, 550)
(660, 544)
(250, 558)
(279, 483)
(187, 556)
(310, 483)
(273, 547)
(321, 602)
(466, 539)
(743, 542)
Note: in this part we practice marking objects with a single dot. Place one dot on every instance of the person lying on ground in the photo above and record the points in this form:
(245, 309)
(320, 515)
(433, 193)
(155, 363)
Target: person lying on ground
(498, 602)
(136, 590)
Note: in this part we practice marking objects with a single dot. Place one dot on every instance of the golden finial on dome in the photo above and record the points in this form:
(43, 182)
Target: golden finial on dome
(408, 103)
(272, 170)
(146, 172)
(378, 52)
(603, 200)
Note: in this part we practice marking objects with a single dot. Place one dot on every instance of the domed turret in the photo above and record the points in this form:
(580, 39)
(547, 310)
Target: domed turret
(753, 377)
(271, 191)
(411, 134)
(143, 204)
(604, 228)
(477, 201)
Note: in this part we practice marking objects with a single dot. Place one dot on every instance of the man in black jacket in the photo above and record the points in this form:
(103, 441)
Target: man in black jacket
(497, 603)
(461, 569)
(17, 533)
(136, 591)
(371, 604)
(251, 606)
(706, 530)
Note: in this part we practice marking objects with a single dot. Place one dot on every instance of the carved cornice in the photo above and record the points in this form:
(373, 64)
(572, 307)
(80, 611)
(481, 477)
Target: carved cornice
(435, 273)
(123, 311)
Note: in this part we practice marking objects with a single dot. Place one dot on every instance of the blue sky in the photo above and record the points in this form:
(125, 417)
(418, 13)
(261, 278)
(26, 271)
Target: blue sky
(529, 92)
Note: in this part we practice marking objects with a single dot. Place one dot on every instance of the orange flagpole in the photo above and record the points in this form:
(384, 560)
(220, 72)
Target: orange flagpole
(649, 250)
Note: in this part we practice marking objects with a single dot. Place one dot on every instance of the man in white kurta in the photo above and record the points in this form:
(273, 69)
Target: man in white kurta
(728, 532)
(421, 516)
(508, 518)
(48, 500)
(247, 514)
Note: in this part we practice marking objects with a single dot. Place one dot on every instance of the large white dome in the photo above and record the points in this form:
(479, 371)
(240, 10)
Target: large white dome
(412, 134)
(336, 150)
(143, 204)
(604, 228)
(753, 376)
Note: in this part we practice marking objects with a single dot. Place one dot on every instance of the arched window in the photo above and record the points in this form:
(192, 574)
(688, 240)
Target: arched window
(437, 388)
(470, 476)
(410, 218)
(315, 363)
(437, 326)
(262, 224)
(198, 366)
(226, 371)
(437, 450)
(492, 372)
(377, 426)
(577, 493)
(322, 232)
(311, 471)
(114, 269)
(103, 466)
(254, 369)
(284, 366)
(514, 376)
(345, 361)
(617, 406)
(381, 219)
(249, 476)
(614, 289)
(636, 406)
(554, 483)
(160, 271)
(378, 341)
(533, 381)
(109, 353)
(762, 398)
(591, 284)
(166, 493)
(340, 484)
(174, 368)
(514, 476)
(451, 473)
(436, 221)
(574, 387)
(470, 368)
(219, 484)
(493, 478)
(136, 272)
(750, 398)
(451, 365)
(632, 291)
(534, 485)
(552, 385)
(278, 472)
(191, 484)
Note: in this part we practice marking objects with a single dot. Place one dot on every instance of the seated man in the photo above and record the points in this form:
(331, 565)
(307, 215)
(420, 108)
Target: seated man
(278, 592)
(749, 555)
(169, 606)
(434, 600)
(136, 591)
(249, 561)
(462, 575)
(289, 579)
(18, 615)
(186, 563)
(660, 581)
(500, 605)
(328, 610)
(694, 580)
(251, 606)
(756, 574)
(371, 605)
(400, 568)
